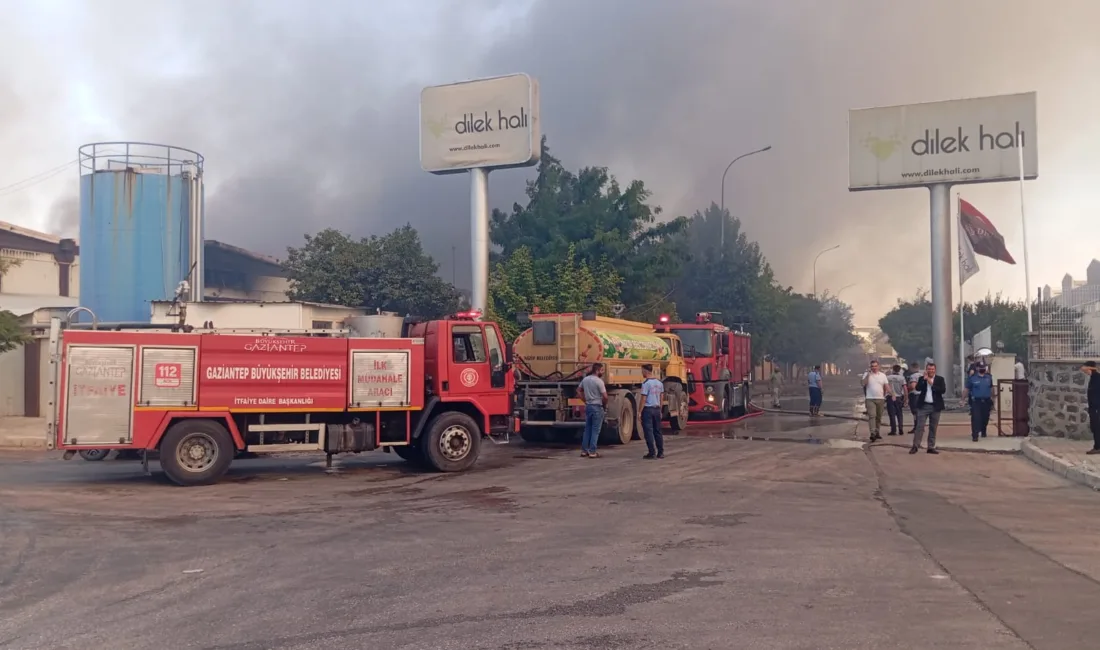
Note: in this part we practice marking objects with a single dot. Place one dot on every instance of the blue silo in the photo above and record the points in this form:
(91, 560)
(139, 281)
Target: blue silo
(141, 209)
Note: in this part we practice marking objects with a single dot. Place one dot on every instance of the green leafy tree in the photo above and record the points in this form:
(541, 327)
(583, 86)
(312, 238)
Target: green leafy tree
(389, 272)
(736, 281)
(609, 227)
(813, 331)
(909, 327)
(11, 334)
(516, 285)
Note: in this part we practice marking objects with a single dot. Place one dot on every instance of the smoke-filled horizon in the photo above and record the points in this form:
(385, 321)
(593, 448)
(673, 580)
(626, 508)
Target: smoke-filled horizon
(308, 119)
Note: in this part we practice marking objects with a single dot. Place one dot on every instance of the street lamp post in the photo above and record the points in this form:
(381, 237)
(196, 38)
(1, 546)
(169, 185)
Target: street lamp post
(722, 239)
(815, 266)
(847, 286)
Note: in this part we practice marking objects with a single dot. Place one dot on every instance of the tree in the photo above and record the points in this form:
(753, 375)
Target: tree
(11, 334)
(609, 227)
(813, 331)
(390, 272)
(515, 285)
(909, 327)
(736, 281)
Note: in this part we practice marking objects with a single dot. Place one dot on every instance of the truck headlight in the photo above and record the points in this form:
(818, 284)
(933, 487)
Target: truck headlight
(709, 389)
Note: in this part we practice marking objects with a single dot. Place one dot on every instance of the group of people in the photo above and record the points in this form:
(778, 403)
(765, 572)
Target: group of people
(923, 391)
(594, 392)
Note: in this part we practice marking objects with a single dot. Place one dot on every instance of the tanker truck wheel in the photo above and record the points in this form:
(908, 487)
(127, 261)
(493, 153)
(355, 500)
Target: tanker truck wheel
(452, 442)
(624, 431)
(196, 452)
(92, 455)
(678, 417)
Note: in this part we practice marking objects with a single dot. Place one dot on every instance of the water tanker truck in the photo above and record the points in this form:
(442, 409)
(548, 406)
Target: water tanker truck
(557, 350)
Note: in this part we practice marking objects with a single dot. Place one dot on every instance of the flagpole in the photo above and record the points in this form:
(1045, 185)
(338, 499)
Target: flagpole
(1023, 222)
(962, 330)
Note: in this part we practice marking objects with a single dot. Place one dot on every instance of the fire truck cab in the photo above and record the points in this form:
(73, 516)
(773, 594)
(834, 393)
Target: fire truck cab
(199, 397)
(719, 365)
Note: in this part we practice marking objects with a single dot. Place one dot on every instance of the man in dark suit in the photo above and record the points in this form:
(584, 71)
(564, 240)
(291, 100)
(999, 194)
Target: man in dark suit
(929, 390)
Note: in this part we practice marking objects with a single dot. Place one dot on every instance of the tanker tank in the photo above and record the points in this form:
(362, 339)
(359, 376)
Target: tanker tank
(564, 346)
(141, 227)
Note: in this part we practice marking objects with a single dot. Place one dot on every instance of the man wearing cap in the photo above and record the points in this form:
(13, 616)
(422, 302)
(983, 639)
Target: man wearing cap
(1089, 368)
(979, 390)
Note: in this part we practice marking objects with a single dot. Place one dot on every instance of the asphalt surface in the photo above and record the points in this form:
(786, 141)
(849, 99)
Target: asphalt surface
(726, 543)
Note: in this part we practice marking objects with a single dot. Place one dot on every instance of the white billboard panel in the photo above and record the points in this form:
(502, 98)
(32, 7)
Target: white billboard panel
(482, 123)
(958, 141)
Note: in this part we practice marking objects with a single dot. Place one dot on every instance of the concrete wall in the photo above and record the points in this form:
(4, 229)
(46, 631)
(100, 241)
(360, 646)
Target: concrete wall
(1058, 401)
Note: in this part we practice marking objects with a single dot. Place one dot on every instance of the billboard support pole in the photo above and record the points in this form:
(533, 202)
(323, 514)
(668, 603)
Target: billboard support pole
(942, 336)
(479, 237)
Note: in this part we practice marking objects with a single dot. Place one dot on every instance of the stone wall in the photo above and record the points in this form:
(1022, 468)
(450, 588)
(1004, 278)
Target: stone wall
(1058, 401)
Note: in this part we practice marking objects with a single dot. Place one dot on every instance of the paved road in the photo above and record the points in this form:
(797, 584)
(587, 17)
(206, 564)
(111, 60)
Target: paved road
(724, 544)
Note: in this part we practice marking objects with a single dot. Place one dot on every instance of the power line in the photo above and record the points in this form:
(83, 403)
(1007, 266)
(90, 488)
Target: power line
(31, 181)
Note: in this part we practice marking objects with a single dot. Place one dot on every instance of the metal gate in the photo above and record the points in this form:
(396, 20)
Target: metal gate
(1016, 400)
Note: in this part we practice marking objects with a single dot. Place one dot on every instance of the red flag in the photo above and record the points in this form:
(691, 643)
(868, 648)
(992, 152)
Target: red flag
(982, 235)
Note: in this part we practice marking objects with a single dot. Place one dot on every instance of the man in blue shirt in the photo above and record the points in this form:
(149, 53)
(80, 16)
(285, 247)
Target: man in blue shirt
(979, 390)
(652, 389)
(813, 380)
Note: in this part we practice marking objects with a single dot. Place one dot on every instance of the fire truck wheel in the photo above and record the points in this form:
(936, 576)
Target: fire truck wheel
(93, 455)
(196, 452)
(452, 442)
(724, 414)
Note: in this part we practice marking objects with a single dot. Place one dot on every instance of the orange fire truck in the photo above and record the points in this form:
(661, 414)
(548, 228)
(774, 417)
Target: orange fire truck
(199, 397)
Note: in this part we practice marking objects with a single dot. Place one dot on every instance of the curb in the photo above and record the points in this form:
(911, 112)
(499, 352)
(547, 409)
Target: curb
(1060, 467)
(22, 444)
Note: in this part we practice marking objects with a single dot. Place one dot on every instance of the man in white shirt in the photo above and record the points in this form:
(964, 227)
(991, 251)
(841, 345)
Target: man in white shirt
(876, 386)
(1019, 372)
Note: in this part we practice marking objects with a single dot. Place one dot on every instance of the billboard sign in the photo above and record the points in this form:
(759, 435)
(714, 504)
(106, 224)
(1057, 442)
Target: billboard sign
(954, 142)
(492, 123)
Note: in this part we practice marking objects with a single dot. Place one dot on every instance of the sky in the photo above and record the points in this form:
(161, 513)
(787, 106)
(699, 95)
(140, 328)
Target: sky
(306, 114)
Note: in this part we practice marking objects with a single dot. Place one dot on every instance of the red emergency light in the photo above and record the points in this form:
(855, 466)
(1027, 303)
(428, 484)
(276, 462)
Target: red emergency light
(663, 319)
(473, 314)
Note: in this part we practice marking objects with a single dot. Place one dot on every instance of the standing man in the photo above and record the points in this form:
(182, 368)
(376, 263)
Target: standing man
(813, 379)
(913, 376)
(930, 388)
(971, 368)
(876, 386)
(595, 406)
(1019, 372)
(1089, 368)
(776, 383)
(895, 403)
(979, 390)
(652, 389)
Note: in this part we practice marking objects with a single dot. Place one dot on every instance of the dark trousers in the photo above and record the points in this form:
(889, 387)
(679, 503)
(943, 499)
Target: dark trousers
(980, 409)
(925, 413)
(913, 408)
(1094, 425)
(895, 411)
(651, 425)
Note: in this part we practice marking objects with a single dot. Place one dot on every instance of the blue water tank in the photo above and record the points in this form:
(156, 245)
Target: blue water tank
(135, 226)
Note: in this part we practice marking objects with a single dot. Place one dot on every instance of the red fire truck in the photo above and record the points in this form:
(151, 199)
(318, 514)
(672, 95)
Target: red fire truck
(201, 397)
(719, 365)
